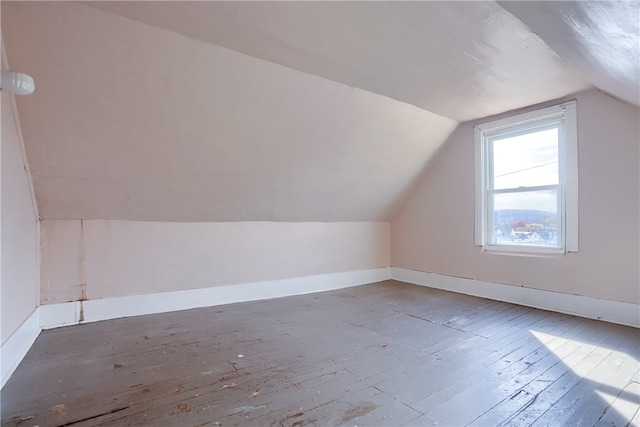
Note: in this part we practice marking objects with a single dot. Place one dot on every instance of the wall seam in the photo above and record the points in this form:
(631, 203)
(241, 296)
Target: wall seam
(23, 151)
(27, 171)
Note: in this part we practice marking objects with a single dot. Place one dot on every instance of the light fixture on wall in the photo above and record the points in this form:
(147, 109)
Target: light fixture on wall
(17, 83)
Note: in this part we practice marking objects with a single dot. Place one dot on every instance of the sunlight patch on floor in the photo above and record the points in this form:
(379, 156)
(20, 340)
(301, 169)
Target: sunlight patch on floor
(609, 378)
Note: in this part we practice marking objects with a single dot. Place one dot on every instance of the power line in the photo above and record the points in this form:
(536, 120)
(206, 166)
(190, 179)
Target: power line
(526, 169)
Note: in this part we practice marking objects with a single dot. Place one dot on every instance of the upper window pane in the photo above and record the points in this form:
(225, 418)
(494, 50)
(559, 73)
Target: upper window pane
(526, 160)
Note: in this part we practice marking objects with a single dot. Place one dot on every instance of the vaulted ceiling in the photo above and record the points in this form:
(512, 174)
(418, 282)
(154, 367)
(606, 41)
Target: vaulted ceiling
(279, 111)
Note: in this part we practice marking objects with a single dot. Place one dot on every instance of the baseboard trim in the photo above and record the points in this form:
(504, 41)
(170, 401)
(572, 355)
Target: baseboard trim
(16, 346)
(72, 313)
(50, 316)
(593, 308)
(56, 315)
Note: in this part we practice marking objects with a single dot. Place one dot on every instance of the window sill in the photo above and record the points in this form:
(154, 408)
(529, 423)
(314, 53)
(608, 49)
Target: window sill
(521, 252)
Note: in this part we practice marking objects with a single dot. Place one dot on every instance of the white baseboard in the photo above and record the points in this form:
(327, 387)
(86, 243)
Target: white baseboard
(16, 346)
(71, 313)
(56, 315)
(593, 308)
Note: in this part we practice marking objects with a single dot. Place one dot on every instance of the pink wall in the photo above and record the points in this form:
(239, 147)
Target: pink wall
(155, 126)
(434, 230)
(19, 266)
(103, 258)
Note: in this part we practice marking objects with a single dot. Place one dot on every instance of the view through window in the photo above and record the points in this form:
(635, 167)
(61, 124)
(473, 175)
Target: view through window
(523, 180)
(524, 189)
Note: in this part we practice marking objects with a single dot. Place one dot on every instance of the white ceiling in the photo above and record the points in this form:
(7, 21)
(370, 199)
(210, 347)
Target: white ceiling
(132, 122)
(283, 111)
(599, 38)
(462, 60)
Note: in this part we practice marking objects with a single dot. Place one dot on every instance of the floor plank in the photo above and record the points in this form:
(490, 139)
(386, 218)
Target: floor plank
(384, 354)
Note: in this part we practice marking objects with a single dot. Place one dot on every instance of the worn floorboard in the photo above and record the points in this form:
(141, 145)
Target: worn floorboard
(385, 354)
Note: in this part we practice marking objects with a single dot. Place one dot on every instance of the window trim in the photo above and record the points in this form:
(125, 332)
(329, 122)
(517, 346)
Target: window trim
(568, 170)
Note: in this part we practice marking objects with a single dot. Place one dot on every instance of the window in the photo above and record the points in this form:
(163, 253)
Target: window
(527, 182)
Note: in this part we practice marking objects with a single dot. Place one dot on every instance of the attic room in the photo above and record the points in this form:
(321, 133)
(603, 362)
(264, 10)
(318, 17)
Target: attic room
(320, 213)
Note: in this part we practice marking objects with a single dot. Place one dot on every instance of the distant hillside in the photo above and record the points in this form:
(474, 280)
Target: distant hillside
(510, 216)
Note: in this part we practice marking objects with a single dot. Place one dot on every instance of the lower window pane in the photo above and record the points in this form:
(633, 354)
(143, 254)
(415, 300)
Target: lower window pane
(529, 218)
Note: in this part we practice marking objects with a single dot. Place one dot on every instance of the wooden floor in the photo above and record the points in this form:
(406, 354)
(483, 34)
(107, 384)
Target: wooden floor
(386, 354)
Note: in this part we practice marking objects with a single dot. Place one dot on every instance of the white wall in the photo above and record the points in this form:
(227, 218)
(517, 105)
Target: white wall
(18, 225)
(434, 231)
(103, 258)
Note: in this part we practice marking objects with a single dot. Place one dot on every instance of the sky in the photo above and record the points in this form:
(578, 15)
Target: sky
(524, 161)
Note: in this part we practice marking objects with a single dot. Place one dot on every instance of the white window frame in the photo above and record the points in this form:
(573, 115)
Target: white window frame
(565, 115)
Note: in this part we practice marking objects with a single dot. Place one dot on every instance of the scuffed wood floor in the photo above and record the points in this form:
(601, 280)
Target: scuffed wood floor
(385, 354)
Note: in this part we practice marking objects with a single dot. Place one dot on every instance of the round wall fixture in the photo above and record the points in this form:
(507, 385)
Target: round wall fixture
(17, 83)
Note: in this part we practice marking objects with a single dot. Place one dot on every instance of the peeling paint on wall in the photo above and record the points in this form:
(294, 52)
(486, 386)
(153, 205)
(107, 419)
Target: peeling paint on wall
(82, 268)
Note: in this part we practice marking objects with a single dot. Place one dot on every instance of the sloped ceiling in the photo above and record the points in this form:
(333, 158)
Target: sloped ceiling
(462, 60)
(281, 111)
(601, 39)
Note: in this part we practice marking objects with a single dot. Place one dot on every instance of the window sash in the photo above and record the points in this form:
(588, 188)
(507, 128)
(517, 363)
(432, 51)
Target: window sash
(519, 130)
(524, 189)
(560, 218)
